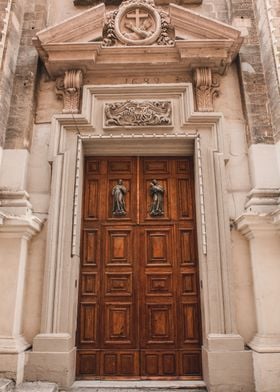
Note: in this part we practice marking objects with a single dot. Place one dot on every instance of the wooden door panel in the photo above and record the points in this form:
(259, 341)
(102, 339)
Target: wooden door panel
(159, 284)
(187, 254)
(117, 166)
(158, 246)
(189, 312)
(88, 364)
(118, 284)
(183, 166)
(88, 333)
(118, 324)
(139, 313)
(159, 324)
(156, 166)
(189, 283)
(184, 202)
(115, 364)
(158, 364)
(91, 248)
(118, 246)
(190, 364)
(89, 284)
(92, 200)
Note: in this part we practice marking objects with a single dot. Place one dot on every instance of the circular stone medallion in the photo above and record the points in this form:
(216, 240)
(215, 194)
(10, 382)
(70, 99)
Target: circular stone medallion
(137, 24)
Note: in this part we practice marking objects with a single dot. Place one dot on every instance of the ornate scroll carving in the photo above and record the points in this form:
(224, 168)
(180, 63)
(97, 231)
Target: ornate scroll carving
(134, 113)
(118, 193)
(157, 193)
(206, 88)
(138, 22)
(69, 87)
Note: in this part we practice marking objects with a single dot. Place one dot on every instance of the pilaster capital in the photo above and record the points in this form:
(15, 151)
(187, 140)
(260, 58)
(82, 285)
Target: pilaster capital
(206, 88)
(69, 87)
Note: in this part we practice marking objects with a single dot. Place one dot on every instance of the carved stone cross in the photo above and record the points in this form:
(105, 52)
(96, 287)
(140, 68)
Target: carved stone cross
(137, 16)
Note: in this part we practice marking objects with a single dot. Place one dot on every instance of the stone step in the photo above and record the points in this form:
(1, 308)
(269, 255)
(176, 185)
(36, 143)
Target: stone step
(137, 386)
(36, 387)
(6, 385)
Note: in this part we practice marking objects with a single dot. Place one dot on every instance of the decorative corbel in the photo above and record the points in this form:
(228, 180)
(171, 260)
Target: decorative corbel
(206, 88)
(69, 87)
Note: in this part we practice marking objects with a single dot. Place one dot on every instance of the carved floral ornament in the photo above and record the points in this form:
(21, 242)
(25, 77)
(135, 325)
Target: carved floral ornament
(138, 113)
(138, 22)
(69, 88)
(206, 88)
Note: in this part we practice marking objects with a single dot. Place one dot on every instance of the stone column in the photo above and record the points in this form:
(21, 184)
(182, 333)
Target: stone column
(263, 233)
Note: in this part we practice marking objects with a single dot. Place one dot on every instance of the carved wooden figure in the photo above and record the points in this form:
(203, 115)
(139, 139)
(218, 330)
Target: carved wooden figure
(157, 192)
(118, 193)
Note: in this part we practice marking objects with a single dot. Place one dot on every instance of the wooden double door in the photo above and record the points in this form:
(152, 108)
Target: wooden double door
(139, 311)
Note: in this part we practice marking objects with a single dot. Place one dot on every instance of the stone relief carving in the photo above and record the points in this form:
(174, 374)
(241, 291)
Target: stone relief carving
(138, 22)
(69, 87)
(135, 113)
(206, 88)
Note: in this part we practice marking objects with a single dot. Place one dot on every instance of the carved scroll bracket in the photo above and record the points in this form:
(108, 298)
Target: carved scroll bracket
(206, 88)
(69, 88)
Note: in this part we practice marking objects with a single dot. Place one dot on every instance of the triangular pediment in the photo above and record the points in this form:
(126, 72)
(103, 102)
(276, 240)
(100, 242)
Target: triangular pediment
(99, 37)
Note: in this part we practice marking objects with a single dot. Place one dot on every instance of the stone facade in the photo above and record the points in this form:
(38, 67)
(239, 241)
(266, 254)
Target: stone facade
(219, 82)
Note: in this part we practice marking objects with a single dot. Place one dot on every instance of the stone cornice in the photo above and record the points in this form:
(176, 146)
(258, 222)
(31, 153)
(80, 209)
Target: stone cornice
(19, 226)
(60, 57)
(252, 225)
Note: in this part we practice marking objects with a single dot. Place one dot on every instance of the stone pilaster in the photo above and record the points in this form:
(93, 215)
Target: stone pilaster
(263, 234)
(15, 234)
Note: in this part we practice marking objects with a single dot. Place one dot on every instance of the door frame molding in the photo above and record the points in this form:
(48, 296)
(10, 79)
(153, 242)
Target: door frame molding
(73, 137)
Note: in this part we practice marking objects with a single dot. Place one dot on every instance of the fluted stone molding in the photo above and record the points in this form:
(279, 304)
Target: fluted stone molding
(69, 88)
(206, 88)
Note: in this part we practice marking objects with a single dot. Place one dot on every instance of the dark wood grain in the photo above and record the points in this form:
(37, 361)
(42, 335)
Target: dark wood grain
(139, 309)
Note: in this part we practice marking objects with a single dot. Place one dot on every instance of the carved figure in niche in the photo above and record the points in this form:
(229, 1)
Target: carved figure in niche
(157, 192)
(118, 193)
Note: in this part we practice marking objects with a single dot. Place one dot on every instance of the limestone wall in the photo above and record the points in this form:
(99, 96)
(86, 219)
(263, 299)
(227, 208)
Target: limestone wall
(268, 17)
(11, 19)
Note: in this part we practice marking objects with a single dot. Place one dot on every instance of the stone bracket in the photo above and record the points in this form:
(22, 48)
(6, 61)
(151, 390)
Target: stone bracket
(69, 88)
(206, 88)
